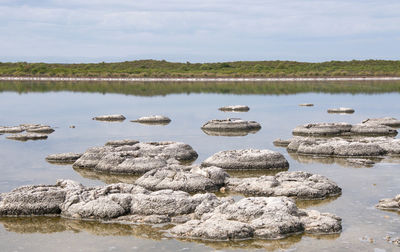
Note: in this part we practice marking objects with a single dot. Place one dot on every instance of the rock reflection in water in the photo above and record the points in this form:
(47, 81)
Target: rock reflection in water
(229, 133)
(107, 177)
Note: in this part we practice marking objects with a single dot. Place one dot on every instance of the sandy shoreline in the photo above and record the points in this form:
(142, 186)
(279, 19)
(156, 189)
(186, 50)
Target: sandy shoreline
(198, 79)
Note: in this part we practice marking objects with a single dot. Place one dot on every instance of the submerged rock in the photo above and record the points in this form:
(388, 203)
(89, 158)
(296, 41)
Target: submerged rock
(154, 119)
(109, 118)
(232, 124)
(27, 136)
(135, 158)
(204, 216)
(181, 178)
(235, 108)
(388, 121)
(63, 157)
(390, 204)
(302, 185)
(341, 110)
(247, 160)
(263, 217)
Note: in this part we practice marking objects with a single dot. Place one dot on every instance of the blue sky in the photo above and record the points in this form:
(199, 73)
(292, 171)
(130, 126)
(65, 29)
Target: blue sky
(198, 31)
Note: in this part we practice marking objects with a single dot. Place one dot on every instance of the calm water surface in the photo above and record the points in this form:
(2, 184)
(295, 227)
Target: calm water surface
(275, 106)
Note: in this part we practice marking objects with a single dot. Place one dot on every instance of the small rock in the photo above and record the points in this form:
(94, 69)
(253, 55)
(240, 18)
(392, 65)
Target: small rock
(13, 129)
(306, 104)
(341, 110)
(281, 143)
(109, 118)
(390, 204)
(235, 108)
(40, 129)
(27, 136)
(232, 124)
(64, 157)
(154, 119)
(72, 126)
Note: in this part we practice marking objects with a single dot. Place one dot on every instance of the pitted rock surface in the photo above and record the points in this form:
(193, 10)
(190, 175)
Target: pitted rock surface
(248, 159)
(261, 217)
(135, 158)
(390, 204)
(235, 108)
(298, 184)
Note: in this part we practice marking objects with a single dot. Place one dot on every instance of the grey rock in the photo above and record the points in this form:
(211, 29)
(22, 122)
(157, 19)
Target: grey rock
(235, 108)
(262, 217)
(137, 158)
(248, 159)
(322, 129)
(116, 143)
(388, 121)
(27, 136)
(390, 204)
(12, 129)
(231, 124)
(297, 184)
(341, 110)
(180, 178)
(154, 119)
(109, 118)
(69, 157)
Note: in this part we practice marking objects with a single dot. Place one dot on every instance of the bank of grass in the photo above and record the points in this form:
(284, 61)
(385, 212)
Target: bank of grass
(161, 69)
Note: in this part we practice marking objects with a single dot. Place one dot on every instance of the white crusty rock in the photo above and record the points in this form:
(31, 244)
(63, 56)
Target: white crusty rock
(69, 157)
(231, 124)
(235, 108)
(248, 159)
(181, 178)
(27, 136)
(262, 217)
(109, 118)
(135, 158)
(302, 185)
(341, 110)
(154, 119)
(390, 204)
(388, 121)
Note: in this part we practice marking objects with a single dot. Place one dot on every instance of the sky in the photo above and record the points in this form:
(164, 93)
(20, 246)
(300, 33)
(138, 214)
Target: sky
(73, 31)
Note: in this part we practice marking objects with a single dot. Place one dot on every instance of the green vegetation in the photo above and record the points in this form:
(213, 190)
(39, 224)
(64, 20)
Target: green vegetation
(153, 68)
(165, 88)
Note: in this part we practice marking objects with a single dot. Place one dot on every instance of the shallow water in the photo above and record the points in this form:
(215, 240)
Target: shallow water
(274, 106)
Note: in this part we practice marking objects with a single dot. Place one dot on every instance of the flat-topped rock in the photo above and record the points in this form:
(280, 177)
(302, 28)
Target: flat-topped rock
(248, 159)
(180, 178)
(68, 158)
(109, 118)
(154, 119)
(235, 108)
(262, 217)
(306, 104)
(11, 129)
(388, 121)
(231, 124)
(373, 130)
(341, 110)
(301, 185)
(322, 129)
(135, 158)
(27, 136)
(117, 143)
(390, 204)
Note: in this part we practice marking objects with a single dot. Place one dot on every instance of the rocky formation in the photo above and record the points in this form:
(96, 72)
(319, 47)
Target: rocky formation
(67, 158)
(247, 160)
(235, 108)
(181, 178)
(266, 218)
(154, 119)
(388, 121)
(203, 216)
(27, 136)
(390, 204)
(306, 104)
(343, 129)
(109, 118)
(135, 158)
(341, 110)
(301, 185)
(230, 125)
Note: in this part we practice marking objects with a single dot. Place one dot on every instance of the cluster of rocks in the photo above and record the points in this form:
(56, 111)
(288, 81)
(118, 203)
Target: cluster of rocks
(30, 131)
(230, 127)
(203, 216)
(235, 108)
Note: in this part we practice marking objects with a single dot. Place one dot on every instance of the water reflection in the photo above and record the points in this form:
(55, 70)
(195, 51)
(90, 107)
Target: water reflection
(106, 177)
(229, 133)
